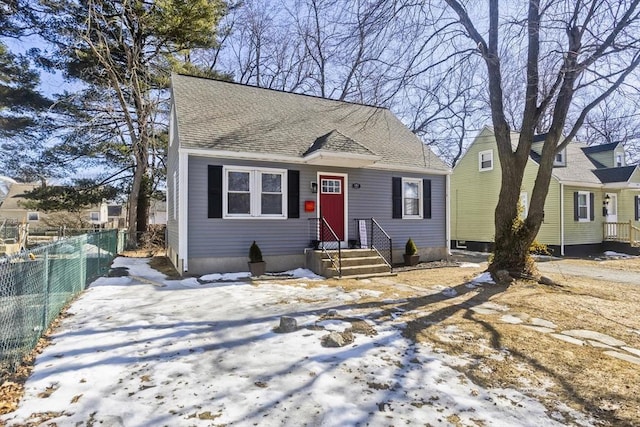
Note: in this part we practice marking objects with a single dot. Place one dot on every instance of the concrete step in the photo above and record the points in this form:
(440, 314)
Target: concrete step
(348, 262)
(359, 270)
(351, 253)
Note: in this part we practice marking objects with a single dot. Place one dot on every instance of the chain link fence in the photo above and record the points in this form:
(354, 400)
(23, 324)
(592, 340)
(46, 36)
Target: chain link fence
(35, 285)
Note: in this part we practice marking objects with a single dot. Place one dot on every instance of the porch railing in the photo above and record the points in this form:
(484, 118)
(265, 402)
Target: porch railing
(624, 232)
(372, 236)
(324, 238)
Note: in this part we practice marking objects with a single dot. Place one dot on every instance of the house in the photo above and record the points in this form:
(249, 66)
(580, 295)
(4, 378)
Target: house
(247, 163)
(157, 212)
(12, 208)
(592, 204)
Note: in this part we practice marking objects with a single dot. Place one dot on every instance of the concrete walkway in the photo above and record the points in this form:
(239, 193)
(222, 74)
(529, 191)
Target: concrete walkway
(566, 268)
(609, 345)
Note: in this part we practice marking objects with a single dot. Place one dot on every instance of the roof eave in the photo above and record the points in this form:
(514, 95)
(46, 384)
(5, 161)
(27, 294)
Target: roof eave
(270, 157)
(330, 158)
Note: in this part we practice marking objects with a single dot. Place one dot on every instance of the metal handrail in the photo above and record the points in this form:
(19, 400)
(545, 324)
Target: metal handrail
(375, 228)
(323, 227)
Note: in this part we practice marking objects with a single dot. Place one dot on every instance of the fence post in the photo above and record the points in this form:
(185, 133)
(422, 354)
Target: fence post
(371, 241)
(47, 290)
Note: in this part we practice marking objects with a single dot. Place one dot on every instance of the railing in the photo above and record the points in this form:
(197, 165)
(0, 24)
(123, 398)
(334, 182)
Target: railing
(624, 232)
(372, 236)
(323, 238)
(36, 284)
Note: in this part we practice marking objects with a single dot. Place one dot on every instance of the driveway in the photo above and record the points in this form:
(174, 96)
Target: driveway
(564, 267)
(567, 268)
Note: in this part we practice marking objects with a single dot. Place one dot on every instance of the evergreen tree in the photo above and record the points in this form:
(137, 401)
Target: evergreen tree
(123, 52)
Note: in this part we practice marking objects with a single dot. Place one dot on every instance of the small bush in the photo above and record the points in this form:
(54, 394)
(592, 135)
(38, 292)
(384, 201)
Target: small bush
(538, 248)
(410, 248)
(255, 254)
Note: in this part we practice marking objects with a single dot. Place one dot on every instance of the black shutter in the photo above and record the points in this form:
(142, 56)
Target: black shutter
(575, 206)
(592, 206)
(293, 195)
(426, 198)
(396, 197)
(636, 202)
(214, 184)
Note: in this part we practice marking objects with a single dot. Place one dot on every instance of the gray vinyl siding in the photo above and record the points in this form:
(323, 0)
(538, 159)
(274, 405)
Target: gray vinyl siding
(172, 166)
(213, 237)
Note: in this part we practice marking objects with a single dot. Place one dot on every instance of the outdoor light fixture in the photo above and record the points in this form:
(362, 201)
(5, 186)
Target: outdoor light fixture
(355, 185)
(314, 187)
(605, 205)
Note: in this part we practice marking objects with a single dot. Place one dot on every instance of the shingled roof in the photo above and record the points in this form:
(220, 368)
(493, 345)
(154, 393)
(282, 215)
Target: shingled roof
(592, 149)
(618, 174)
(223, 116)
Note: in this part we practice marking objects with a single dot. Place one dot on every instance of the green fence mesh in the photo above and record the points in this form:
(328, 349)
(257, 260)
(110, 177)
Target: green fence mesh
(36, 285)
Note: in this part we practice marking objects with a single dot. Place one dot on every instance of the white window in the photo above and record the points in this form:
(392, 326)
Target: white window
(33, 216)
(254, 193)
(619, 162)
(331, 186)
(485, 160)
(583, 207)
(94, 216)
(559, 159)
(411, 198)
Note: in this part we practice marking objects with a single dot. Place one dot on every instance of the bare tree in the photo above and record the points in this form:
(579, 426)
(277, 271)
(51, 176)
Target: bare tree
(587, 49)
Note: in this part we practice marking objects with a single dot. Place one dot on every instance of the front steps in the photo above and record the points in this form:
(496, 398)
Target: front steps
(355, 263)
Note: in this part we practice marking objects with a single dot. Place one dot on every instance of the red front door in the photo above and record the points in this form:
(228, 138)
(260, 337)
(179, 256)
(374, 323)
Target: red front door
(332, 204)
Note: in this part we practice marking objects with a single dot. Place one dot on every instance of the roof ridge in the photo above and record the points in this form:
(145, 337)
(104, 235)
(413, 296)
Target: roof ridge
(281, 91)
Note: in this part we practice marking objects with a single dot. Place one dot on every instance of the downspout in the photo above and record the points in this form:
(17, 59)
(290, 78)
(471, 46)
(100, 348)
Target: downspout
(447, 207)
(561, 219)
(183, 199)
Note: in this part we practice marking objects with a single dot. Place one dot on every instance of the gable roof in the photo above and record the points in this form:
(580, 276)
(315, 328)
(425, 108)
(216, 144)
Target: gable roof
(338, 142)
(235, 118)
(617, 174)
(580, 167)
(592, 149)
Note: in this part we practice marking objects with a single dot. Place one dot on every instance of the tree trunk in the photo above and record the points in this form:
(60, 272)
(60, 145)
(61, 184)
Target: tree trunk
(143, 205)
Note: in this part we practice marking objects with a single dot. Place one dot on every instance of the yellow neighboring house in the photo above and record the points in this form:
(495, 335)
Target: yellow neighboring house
(593, 202)
(11, 208)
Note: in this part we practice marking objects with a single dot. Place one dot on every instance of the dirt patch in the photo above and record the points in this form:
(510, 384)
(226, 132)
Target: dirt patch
(162, 264)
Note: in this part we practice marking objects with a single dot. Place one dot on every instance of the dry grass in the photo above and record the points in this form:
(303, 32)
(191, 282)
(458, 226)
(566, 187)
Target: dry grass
(502, 354)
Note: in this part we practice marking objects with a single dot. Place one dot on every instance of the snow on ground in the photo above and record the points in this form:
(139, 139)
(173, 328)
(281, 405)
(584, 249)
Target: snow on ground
(145, 351)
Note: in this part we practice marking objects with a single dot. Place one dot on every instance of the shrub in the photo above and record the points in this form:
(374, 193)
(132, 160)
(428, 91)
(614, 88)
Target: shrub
(255, 254)
(538, 248)
(410, 248)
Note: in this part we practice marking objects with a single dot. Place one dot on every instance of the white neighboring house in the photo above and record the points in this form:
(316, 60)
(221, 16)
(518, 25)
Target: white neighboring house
(158, 212)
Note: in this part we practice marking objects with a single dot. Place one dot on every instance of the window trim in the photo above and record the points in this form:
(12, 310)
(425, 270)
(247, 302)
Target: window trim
(97, 214)
(34, 213)
(563, 158)
(420, 198)
(330, 192)
(480, 154)
(255, 192)
(619, 160)
(586, 205)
